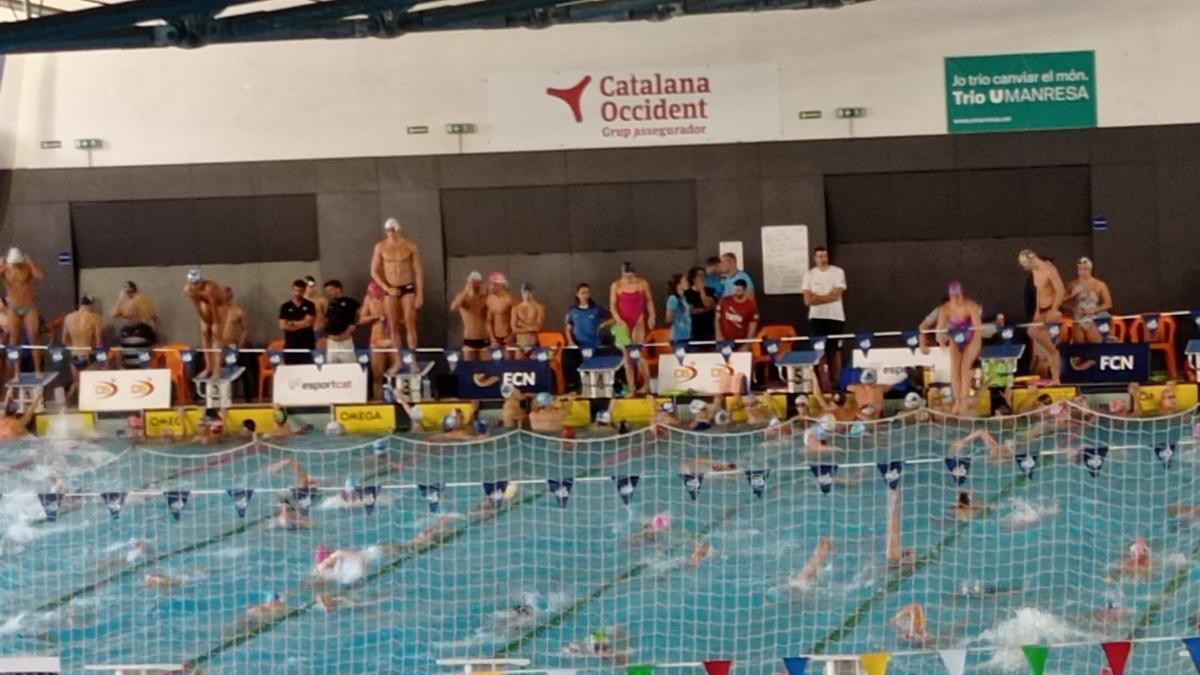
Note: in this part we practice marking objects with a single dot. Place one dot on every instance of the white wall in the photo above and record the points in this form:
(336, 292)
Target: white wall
(354, 98)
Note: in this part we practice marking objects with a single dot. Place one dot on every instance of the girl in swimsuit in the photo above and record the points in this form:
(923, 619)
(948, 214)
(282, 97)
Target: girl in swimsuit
(958, 327)
(633, 308)
(1091, 300)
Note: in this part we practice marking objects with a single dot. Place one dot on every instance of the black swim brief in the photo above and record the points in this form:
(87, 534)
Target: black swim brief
(408, 289)
(81, 361)
(480, 343)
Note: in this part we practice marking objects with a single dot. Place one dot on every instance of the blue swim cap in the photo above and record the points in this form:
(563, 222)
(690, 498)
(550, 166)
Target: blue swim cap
(271, 596)
(544, 399)
(481, 426)
(858, 429)
(380, 445)
(351, 482)
(449, 422)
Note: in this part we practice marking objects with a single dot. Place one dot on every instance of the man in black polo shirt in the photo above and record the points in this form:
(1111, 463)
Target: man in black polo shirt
(296, 318)
(341, 319)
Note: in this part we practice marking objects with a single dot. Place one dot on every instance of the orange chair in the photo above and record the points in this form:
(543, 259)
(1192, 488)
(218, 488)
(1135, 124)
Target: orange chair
(775, 331)
(170, 356)
(1162, 340)
(1065, 326)
(651, 354)
(1117, 329)
(265, 370)
(555, 341)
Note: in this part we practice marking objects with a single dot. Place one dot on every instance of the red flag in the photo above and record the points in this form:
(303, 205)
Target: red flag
(720, 667)
(1117, 653)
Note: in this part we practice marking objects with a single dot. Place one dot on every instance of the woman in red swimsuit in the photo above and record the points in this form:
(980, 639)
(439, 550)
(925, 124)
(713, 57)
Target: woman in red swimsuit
(633, 308)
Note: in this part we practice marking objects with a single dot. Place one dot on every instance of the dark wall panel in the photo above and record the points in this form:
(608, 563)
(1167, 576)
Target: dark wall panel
(601, 217)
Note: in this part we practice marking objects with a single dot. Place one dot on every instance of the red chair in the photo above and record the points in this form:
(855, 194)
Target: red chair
(776, 331)
(651, 354)
(1162, 340)
(170, 356)
(266, 371)
(1117, 329)
(555, 341)
(1065, 325)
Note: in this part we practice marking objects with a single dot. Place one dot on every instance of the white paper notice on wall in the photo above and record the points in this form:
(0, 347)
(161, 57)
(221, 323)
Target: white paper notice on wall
(734, 247)
(784, 258)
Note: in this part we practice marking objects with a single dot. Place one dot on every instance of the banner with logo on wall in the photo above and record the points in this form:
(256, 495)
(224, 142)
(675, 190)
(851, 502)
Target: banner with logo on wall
(1115, 362)
(319, 385)
(1011, 92)
(483, 379)
(703, 373)
(124, 390)
(635, 106)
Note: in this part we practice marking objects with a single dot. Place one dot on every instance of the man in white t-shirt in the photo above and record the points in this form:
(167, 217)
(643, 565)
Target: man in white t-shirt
(823, 288)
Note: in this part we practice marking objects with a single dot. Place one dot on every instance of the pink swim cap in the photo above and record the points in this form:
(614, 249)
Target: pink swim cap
(374, 290)
(497, 278)
(135, 421)
(321, 553)
(661, 521)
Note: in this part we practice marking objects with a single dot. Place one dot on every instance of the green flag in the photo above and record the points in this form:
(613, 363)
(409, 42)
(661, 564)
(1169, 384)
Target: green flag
(644, 669)
(1036, 655)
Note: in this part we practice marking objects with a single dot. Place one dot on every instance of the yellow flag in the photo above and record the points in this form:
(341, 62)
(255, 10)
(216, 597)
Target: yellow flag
(876, 664)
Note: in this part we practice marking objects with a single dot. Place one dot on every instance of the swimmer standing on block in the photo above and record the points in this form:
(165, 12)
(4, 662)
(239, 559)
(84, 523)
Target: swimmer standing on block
(21, 274)
(396, 267)
(1050, 295)
(632, 305)
(212, 308)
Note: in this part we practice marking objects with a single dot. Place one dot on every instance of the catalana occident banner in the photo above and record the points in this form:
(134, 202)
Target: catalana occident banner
(635, 106)
(320, 385)
(1010, 92)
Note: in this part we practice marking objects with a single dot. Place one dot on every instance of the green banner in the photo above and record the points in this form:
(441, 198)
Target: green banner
(1011, 92)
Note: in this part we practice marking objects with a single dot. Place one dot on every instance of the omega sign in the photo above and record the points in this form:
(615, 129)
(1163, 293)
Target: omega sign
(649, 106)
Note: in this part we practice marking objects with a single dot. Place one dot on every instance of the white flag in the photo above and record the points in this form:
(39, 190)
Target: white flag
(955, 660)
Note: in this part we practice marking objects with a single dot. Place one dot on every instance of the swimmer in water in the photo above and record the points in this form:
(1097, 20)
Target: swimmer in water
(664, 414)
(807, 576)
(898, 558)
(1186, 512)
(139, 550)
(282, 428)
(303, 480)
(346, 565)
(432, 534)
(287, 517)
(654, 528)
(266, 611)
(816, 436)
(162, 580)
(910, 623)
(1112, 609)
(965, 507)
(699, 552)
(601, 644)
(512, 412)
(704, 465)
(998, 453)
(1137, 563)
(979, 589)
(703, 415)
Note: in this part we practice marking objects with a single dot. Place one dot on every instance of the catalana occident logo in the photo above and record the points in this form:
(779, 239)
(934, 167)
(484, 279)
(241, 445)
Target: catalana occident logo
(634, 105)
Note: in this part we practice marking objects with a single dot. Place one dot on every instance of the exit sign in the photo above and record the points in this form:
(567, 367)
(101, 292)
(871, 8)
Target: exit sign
(461, 128)
(88, 143)
(847, 113)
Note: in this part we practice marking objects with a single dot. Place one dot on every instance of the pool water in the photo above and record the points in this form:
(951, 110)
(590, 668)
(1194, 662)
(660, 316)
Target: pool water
(1035, 562)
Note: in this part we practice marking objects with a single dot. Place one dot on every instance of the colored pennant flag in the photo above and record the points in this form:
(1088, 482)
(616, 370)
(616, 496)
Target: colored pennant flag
(57, 354)
(495, 491)
(241, 499)
(231, 356)
(51, 502)
(561, 489)
(643, 669)
(863, 340)
(726, 348)
(1055, 329)
(368, 496)
(432, 494)
(1165, 454)
(115, 501)
(959, 468)
(875, 664)
(587, 352)
(274, 356)
(1151, 320)
(302, 498)
(625, 487)
(1036, 655)
(692, 483)
(955, 660)
(1104, 326)
(497, 353)
(1196, 317)
(771, 346)
(1093, 459)
(818, 344)
(912, 340)
(176, 500)
(1193, 647)
(363, 357)
(317, 356)
(718, 667)
(1117, 653)
(680, 351)
(891, 473)
(824, 474)
(796, 665)
(758, 480)
(1007, 333)
(634, 352)
(1027, 463)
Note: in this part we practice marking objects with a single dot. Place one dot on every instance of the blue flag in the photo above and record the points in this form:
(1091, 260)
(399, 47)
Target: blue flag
(796, 665)
(115, 501)
(1007, 333)
(863, 340)
(241, 499)
(824, 474)
(1027, 463)
(1055, 329)
(891, 473)
(1193, 647)
(303, 499)
(561, 489)
(692, 482)
(231, 356)
(635, 352)
(51, 501)
(495, 490)
(912, 340)
(368, 495)
(727, 347)
(758, 480)
(625, 487)
(432, 492)
(176, 500)
(818, 344)
(1151, 320)
(1165, 454)
(771, 346)
(1093, 459)
(959, 468)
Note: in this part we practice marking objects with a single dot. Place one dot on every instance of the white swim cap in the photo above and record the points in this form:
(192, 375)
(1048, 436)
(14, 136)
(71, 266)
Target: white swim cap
(391, 224)
(697, 406)
(868, 376)
(828, 422)
(858, 429)
(334, 428)
(415, 413)
(450, 422)
(15, 256)
(774, 422)
(544, 399)
(603, 417)
(507, 390)
(194, 275)
(668, 407)
(912, 400)
(947, 394)
(722, 417)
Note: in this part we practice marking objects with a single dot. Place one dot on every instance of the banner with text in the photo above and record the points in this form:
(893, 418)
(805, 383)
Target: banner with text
(703, 373)
(891, 364)
(635, 106)
(483, 379)
(118, 390)
(320, 385)
(1011, 92)
(1112, 362)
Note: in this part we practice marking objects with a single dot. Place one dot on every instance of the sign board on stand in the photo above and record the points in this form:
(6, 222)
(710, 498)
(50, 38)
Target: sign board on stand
(1110, 362)
(483, 379)
(124, 390)
(306, 385)
(704, 373)
(784, 259)
(891, 363)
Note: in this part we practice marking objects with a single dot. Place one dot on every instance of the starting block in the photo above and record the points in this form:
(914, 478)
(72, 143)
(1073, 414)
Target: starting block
(490, 666)
(30, 665)
(217, 392)
(28, 388)
(797, 369)
(598, 376)
(1193, 354)
(411, 386)
(135, 668)
(999, 364)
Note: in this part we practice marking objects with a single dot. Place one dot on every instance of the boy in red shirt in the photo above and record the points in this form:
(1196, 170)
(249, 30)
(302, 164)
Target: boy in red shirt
(737, 315)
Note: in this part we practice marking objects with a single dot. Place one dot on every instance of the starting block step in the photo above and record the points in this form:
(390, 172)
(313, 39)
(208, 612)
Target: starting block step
(36, 665)
(409, 384)
(481, 666)
(135, 668)
(217, 392)
(28, 387)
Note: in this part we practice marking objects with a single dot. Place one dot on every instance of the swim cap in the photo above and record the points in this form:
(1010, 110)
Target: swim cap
(498, 278)
(449, 422)
(415, 413)
(801, 401)
(249, 425)
(526, 286)
(15, 256)
(391, 225)
(374, 290)
(321, 553)
(868, 410)
(603, 417)
(132, 287)
(668, 407)
(623, 427)
(697, 406)
(380, 446)
(351, 483)
(858, 429)
(828, 422)
(947, 394)
(1025, 257)
(334, 428)
(135, 421)
(774, 422)
(868, 376)
(568, 433)
(480, 426)
(194, 276)
(280, 415)
(955, 288)
(474, 276)
(661, 521)
(722, 417)
(544, 399)
(271, 596)
(912, 400)
(1085, 262)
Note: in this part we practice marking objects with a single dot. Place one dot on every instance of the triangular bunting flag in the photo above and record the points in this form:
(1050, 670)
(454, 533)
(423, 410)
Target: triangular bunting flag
(1093, 459)
(561, 489)
(497, 354)
(824, 474)
(959, 468)
(1055, 330)
(241, 499)
(432, 494)
(587, 352)
(368, 495)
(176, 500)
(692, 483)
(1193, 647)
(875, 664)
(57, 354)
(1036, 655)
(643, 669)
(51, 501)
(726, 348)
(1151, 320)
(891, 473)
(1027, 463)
(758, 480)
(912, 340)
(1007, 333)
(955, 660)
(863, 340)
(363, 357)
(1104, 326)
(635, 352)
(771, 347)
(818, 344)
(115, 501)
(302, 498)
(796, 665)
(1117, 653)
(317, 356)
(680, 351)
(625, 487)
(453, 356)
(1196, 317)
(495, 490)
(718, 667)
(1165, 454)
(231, 356)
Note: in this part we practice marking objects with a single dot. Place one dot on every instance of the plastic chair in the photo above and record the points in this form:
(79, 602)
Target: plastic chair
(172, 358)
(265, 370)
(1065, 326)
(774, 331)
(651, 354)
(1162, 340)
(1117, 329)
(555, 340)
